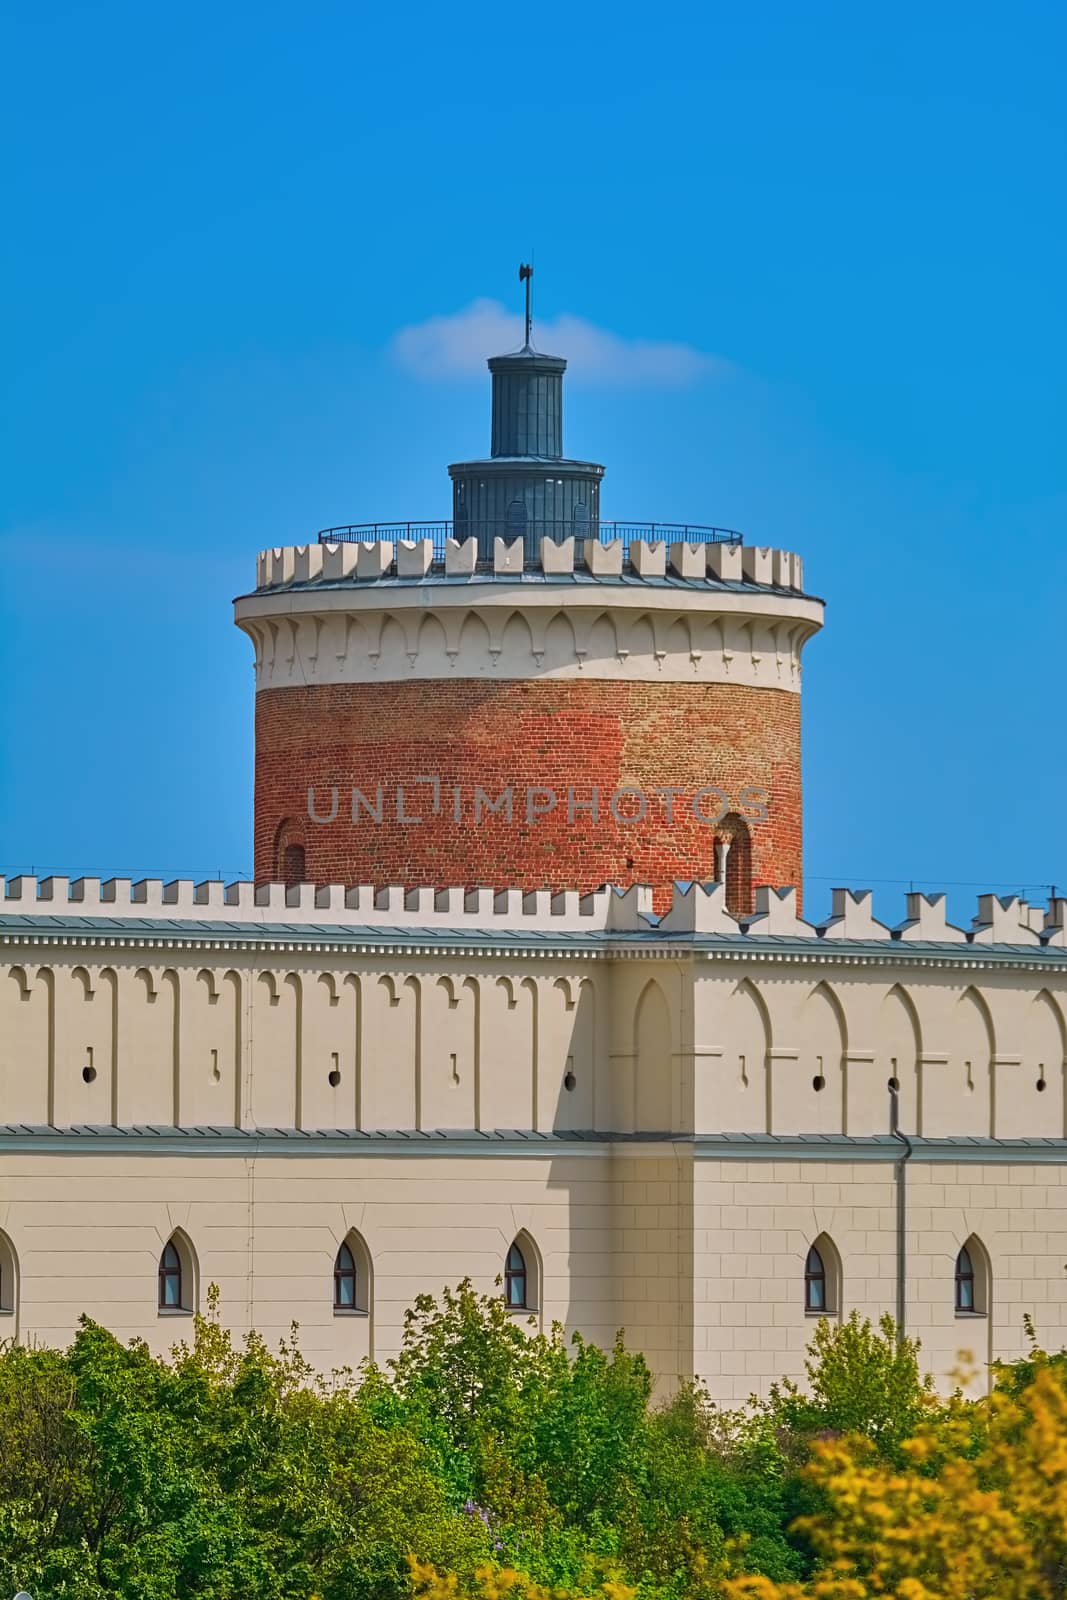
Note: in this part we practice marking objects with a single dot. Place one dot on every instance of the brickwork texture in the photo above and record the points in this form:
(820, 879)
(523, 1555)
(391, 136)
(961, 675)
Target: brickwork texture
(546, 734)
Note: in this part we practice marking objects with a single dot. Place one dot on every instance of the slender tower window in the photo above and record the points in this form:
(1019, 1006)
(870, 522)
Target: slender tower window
(965, 1300)
(170, 1278)
(814, 1282)
(515, 1278)
(344, 1280)
(293, 866)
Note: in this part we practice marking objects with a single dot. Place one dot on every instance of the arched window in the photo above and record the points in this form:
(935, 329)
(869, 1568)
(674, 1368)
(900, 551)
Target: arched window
(170, 1278)
(972, 1279)
(736, 837)
(290, 856)
(351, 1277)
(515, 1280)
(522, 1274)
(344, 1280)
(822, 1279)
(814, 1282)
(9, 1288)
(964, 1281)
(177, 1276)
(293, 865)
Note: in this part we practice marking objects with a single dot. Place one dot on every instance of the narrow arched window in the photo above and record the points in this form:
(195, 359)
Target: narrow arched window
(170, 1278)
(294, 868)
(344, 1280)
(815, 1298)
(966, 1300)
(8, 1277)
(738, 840)
(515, 1282)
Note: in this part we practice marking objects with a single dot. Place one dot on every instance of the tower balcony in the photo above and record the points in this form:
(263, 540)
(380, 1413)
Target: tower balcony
(531, 533)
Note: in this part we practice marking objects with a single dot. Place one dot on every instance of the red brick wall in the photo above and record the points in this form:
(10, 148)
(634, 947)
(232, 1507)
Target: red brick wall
(551, 732)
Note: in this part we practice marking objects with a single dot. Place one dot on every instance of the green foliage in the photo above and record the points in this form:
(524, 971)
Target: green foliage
(861, 1379)
(234, 1472)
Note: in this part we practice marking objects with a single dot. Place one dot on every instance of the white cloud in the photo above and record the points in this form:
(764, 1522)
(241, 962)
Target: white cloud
(457, 346)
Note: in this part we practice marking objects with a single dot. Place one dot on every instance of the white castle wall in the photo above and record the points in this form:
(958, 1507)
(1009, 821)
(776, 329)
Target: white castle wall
(687, 1051)
(154, 1013)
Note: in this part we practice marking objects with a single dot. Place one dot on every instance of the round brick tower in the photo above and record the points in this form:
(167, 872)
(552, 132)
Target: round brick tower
(529, 696)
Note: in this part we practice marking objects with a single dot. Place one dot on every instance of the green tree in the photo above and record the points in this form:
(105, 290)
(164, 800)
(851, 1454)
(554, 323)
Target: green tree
(861, 1379)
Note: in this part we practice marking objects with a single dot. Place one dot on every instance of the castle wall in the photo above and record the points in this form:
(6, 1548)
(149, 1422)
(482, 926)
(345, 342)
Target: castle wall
(754, 1221)
(699, 1259)
(88, 1231)
(694, 1027)
(668, 1113)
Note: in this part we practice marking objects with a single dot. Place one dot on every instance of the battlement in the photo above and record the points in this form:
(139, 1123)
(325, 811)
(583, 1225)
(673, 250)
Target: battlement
(696, 908)
(419, 560)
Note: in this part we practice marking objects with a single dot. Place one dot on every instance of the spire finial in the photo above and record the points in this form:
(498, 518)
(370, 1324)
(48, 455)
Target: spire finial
(525, 274)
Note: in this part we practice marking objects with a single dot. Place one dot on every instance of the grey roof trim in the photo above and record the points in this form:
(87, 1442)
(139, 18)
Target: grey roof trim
(158, 1139)
(964, 1150)
(165, 933)
(565, 580)
(597, 944)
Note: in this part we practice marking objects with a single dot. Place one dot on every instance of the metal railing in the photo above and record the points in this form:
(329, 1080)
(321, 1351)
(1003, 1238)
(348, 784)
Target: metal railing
(531, 532)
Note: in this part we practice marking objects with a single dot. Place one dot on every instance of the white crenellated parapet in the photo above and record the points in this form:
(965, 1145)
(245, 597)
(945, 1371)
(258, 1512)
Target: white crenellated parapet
(757, 563)
(725, 562)
(557, 558)
(308, 562)
(696, 908)
(507, 557)
(338, 562)
(1003, 919)
(927, 921)
(461, 557)
(603, 560)
(776, 913)
(372, 560)
(1054, 931)
(414, 558)
(851, 917)
(648, 559)
(379, 613)
(688, 560)
(361, 905)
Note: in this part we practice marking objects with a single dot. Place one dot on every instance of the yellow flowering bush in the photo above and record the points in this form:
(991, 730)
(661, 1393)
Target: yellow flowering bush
(979, 1512)
(505, 1583)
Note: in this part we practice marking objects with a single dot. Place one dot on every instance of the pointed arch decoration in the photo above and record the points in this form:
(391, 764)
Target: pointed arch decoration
(9, 1282)
(522, 1274)
(823, 1286)
(178, 1276)
(973, 1279)
(352, 1276)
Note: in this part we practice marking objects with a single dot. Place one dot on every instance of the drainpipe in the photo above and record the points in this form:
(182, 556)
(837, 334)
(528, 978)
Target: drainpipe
(902, 1205)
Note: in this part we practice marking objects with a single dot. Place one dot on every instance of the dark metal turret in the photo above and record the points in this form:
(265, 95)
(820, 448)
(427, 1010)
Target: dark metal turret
(526, 487)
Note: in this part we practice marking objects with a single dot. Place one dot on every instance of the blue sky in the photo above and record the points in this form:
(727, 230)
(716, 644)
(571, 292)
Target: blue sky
(221, 218)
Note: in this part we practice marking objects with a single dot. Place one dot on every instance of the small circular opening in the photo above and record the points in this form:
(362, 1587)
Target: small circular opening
(629, 863)
(335, 1077)
(818, 1082)
(88, 1074)
(569, 1080)
(1041, 1085)
(894, 1084)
